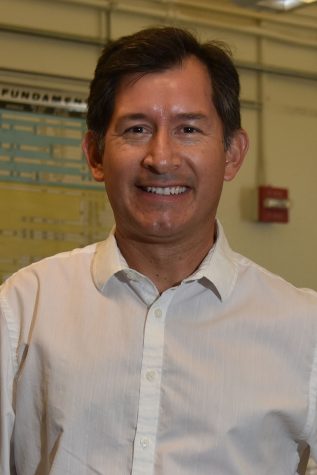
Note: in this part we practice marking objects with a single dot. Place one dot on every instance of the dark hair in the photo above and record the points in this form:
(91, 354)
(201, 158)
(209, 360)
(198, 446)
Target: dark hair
(157, 49)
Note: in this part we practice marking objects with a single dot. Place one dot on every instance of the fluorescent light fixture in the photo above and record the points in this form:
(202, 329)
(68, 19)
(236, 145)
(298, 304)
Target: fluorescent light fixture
(278, 5)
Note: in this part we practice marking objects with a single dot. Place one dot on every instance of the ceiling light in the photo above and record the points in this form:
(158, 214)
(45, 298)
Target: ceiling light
(277, 5)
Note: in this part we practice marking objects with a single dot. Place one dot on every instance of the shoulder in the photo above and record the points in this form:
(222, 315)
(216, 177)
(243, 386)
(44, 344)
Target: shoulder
(272, 288)
(45, 283)
(69, 260)
(254, 286)
(47, 277)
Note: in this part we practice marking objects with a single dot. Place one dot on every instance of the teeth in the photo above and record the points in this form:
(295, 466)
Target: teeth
(168, 190)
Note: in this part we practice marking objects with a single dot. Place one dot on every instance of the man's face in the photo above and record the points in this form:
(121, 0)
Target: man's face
(164, 161)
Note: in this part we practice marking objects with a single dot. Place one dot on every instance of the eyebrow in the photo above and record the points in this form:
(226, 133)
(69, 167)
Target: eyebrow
(133, 116)
(179, 116)
(191, 116)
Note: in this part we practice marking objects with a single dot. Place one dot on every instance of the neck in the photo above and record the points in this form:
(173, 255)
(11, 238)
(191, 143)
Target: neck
(165, 263)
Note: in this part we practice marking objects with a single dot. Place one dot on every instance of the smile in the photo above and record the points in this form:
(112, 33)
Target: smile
(166, 191)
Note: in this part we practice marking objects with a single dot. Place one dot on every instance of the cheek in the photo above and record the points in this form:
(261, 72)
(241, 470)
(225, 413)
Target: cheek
(119, 159)
(119, 176)
(211, 167)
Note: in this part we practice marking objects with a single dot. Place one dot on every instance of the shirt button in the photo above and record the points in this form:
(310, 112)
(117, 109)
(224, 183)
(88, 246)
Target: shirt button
(150, 375)
(144, 442)
(130, 274)
(158, 312)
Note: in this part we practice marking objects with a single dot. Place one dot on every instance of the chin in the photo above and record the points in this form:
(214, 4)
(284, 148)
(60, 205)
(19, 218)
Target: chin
(161, 231)
(153, 229)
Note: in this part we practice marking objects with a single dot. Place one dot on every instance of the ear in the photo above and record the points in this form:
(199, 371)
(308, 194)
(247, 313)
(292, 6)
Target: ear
(93, 155)
(235, 154)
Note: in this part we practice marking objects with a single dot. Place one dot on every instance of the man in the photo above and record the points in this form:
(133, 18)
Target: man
(160, 350)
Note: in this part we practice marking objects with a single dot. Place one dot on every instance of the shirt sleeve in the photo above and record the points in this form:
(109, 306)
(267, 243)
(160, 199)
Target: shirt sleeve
(311, 424)
(6, 398)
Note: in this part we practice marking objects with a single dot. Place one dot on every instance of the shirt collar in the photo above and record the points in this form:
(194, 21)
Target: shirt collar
(218, 271)
(107, 261)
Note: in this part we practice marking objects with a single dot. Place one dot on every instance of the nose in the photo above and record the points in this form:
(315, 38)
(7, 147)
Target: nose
(161, 156)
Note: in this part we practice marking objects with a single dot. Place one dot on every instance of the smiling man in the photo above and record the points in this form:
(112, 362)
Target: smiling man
(163, 163)
(158, 351)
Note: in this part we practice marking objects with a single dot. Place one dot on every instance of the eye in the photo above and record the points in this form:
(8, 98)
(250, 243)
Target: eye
(189, 133)
(190, 130)
(136, 133)
(136, 129)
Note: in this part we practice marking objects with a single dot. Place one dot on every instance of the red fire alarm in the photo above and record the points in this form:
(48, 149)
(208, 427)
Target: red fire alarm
(273, 204)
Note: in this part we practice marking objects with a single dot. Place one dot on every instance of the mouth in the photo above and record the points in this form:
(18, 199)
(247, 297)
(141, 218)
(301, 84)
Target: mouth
(166, 190)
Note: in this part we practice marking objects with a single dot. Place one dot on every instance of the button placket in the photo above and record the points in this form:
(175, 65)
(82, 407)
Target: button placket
(149, 401)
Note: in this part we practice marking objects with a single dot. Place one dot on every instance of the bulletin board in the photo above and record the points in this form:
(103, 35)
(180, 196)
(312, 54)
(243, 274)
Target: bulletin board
(48, 200)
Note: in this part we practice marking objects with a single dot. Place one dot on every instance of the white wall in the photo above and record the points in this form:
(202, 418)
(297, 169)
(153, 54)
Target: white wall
(60, 41)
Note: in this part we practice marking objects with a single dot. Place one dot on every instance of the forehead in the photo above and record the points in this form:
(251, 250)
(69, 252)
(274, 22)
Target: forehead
(190, 80)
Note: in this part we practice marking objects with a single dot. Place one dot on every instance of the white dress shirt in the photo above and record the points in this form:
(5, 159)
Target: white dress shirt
(100, 374)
